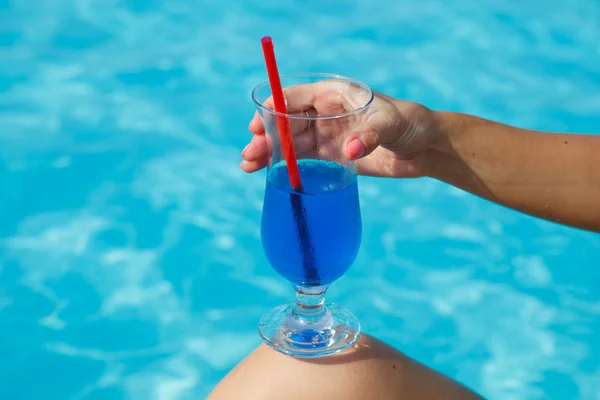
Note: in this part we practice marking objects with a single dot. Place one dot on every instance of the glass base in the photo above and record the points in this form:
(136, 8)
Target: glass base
(284, 330)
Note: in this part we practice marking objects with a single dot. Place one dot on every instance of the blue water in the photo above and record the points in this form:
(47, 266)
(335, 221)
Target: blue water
(330, 211)
(131, 264)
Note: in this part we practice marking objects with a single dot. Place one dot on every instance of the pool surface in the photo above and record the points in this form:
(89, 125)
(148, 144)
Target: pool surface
(130, 257)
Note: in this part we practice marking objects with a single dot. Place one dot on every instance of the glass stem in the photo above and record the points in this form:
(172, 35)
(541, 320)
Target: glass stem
(310, 303)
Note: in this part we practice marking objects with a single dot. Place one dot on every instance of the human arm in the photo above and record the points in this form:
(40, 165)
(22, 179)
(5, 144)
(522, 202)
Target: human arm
(548, 175)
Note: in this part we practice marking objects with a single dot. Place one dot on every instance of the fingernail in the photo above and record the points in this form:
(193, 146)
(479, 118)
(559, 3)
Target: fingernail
(245, 148)
(355, 149)
(250, 124)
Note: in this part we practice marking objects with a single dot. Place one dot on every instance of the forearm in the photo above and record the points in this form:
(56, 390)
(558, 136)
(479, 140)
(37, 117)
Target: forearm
(552, 176)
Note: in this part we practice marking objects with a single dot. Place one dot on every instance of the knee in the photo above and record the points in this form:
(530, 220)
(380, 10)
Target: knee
(370, 369)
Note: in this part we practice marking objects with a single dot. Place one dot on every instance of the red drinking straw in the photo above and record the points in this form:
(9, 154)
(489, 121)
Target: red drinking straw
(308, 259)
(282, 122)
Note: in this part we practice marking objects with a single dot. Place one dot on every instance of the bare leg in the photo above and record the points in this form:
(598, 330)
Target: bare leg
(369, 370)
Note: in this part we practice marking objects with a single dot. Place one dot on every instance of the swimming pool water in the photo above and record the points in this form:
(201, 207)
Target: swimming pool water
(130, 257)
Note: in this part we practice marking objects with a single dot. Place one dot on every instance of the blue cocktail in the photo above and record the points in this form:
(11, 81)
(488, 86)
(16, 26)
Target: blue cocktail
(333, 231)
(311, 235)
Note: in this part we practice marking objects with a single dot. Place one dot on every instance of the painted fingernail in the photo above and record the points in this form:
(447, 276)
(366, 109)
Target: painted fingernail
(355, 149)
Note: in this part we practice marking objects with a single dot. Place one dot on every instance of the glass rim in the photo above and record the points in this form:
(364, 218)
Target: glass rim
(312, 117)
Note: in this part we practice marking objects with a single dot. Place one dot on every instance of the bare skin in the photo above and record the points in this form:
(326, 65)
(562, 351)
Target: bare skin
(549, 175)
(369, 370)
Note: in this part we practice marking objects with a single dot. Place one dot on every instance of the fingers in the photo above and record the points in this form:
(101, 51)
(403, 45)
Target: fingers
(253, 166)
(297, 125)
(259, 146)
(262, 145)
(305, 141)
(305, 96)
(298, 98)
(256, 154)
(324, 97)
(256, 125)
(332, 102)
(317, 137)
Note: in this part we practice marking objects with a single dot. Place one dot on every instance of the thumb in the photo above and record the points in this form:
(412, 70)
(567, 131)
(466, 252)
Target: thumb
(361, 143)
(375, 130)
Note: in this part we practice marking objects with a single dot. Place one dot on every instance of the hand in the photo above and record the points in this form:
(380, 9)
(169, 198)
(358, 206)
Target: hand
(390, 140)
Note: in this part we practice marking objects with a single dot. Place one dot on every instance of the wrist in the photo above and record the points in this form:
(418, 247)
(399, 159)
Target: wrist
(441, 154)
